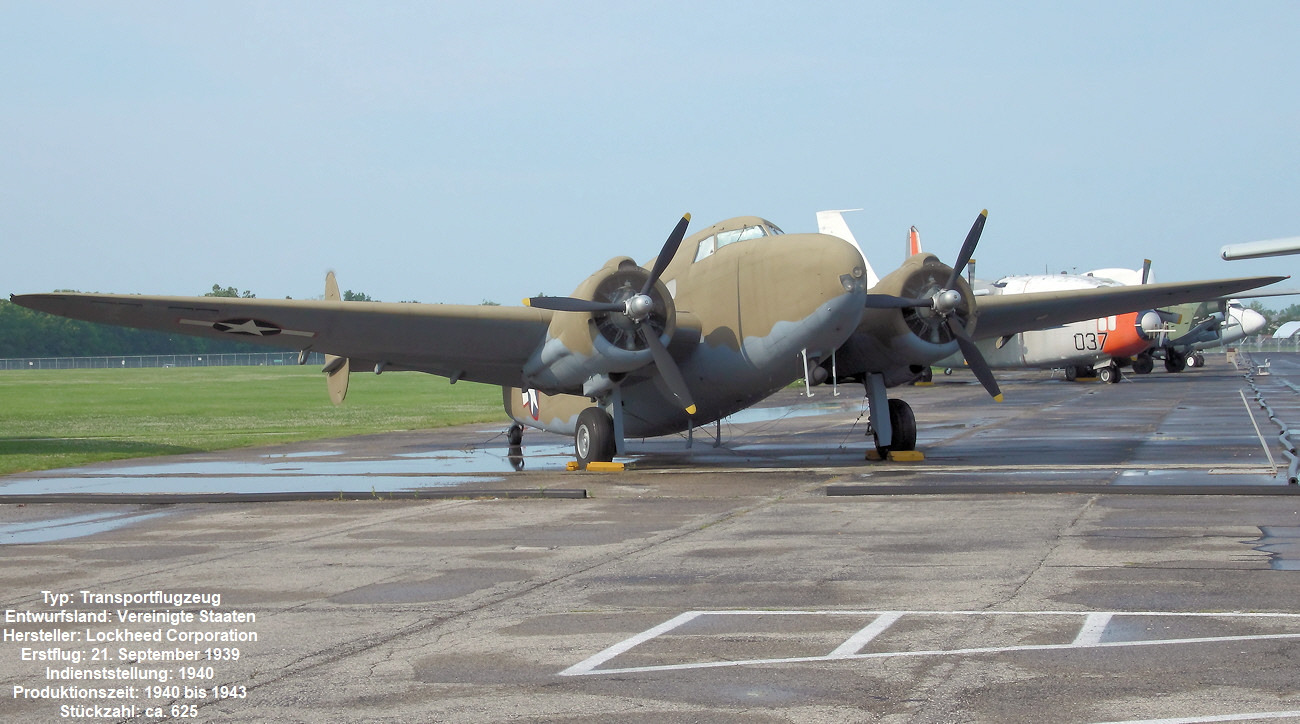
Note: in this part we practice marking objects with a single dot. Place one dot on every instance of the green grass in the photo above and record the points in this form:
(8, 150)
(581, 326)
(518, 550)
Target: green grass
(59, 418)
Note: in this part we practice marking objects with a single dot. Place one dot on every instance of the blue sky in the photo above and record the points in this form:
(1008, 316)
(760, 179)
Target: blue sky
(456, 152)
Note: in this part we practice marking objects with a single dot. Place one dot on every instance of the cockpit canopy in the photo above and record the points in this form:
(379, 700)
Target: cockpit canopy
(752, 228)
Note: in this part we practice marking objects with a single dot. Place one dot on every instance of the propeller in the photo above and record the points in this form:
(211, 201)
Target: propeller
(945, 303)
(637, 308)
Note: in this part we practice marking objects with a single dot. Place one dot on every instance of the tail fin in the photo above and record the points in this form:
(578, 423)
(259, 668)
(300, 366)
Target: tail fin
(832, 223)
(337, 369)
(913, 242)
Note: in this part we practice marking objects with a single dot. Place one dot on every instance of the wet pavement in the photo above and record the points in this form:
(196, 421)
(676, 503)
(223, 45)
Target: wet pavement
(1036, 566)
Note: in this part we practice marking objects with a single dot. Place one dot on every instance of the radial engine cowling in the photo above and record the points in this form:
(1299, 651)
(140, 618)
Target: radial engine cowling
(921, 335)
(586, 352)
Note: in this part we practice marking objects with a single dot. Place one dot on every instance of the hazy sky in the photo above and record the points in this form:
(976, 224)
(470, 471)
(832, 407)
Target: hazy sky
(456, 152)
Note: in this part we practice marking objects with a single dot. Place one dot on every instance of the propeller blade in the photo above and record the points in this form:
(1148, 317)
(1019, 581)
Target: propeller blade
(668, 368)
(968, 248)
(572, 304)
(667, 253)
(1146, 270)
(974, 359)
(889, 301)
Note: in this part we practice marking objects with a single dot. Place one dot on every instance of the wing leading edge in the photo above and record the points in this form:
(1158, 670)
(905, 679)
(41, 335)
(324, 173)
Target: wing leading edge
(478, 343)
(1001, 315)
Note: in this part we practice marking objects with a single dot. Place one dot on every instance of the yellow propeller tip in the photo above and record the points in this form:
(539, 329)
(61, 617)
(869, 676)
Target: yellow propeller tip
(690, 410)
(998, 398)
(984, 213)
(686, 216)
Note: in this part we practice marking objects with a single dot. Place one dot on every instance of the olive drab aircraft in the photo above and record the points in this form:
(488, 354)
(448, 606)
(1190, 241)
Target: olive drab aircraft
(713, 324)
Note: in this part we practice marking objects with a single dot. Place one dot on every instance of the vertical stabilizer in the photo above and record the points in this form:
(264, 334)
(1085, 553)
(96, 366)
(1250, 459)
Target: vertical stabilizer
(913, 242)
(337, 369)
(832, 223)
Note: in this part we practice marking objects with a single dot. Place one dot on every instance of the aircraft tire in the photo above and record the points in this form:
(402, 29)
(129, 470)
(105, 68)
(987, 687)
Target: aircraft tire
(1174, 361)
(1108, 373)
(593, 441)
(1143, 364)
(903, 422)
(515, 435)
(1071, 373)
(1196, 359)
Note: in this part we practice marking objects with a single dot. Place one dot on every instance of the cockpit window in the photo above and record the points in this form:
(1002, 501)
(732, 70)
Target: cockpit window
(723, 238)
(707, 247)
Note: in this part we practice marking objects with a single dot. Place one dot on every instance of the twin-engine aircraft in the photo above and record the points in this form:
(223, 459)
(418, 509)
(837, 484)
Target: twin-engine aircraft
(713, 324)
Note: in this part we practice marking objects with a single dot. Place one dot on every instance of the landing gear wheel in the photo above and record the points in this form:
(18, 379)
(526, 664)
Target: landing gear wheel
(1196, 359)
(1174, 361)
(1108, 373)
(927, 375)
(1071, 373)
(593, 441)
(1143, 364)
(515, 435)
(903, 422)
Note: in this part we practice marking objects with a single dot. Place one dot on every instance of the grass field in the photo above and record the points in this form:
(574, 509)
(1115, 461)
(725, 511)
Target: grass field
(60, 418)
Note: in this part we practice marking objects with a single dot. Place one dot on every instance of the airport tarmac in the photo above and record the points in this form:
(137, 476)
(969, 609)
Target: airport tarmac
(1082, 552)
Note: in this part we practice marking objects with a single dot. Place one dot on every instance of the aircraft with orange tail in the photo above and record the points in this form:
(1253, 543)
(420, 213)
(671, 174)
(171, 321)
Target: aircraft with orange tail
(1083, 349)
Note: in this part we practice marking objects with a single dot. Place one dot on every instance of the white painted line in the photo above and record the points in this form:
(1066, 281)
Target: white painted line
(1093, 626)
(1224, 717)
(855, 642)
(1089, 637)
(899, 654)
(585, 667)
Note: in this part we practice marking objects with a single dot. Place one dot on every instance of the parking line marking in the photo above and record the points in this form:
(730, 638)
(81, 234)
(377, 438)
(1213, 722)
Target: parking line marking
(1093, 626)
(860, 639)
(1206, 719)
(585, 667)
(1089, 637)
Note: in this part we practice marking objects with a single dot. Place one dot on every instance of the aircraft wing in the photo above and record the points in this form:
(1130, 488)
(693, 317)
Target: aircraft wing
(1005, 314)
(477, 343)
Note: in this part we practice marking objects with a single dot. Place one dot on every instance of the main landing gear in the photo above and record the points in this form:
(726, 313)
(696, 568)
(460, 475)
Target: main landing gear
(902, 423)
(895, 430)
(594, 440)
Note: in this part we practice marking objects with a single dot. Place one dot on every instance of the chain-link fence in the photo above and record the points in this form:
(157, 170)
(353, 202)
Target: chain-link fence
(242, 359)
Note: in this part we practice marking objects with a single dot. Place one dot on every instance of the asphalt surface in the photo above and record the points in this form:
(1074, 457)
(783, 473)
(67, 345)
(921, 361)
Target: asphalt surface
(1083, 552)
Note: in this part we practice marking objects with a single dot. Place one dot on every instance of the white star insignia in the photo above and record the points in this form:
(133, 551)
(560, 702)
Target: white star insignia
(247, 326)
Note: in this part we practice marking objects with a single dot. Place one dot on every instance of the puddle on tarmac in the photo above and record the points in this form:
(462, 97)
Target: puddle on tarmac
(338, 471)
(76, 526)
(243, 484)
(1282, 544)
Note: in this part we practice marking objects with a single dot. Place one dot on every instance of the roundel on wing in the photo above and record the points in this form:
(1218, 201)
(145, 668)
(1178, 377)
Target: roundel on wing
(249, 327)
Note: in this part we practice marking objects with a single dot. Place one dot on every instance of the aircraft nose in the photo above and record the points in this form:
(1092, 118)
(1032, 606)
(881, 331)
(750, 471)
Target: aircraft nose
(1252, 321)
(843, 257)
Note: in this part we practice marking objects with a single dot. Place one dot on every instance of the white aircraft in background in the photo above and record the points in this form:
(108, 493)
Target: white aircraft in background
(1083, 348)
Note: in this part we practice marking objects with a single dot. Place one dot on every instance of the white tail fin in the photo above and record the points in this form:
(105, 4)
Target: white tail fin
(832, 223)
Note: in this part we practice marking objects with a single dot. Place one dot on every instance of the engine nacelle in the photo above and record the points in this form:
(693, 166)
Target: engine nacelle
(587, 353)
(900, 343)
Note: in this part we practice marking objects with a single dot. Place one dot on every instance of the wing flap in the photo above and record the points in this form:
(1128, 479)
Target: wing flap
(478, 343)
(1003, 314)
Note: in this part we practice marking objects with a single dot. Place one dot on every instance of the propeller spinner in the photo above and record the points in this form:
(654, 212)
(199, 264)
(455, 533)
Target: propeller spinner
(945, 303)
(637, 310)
